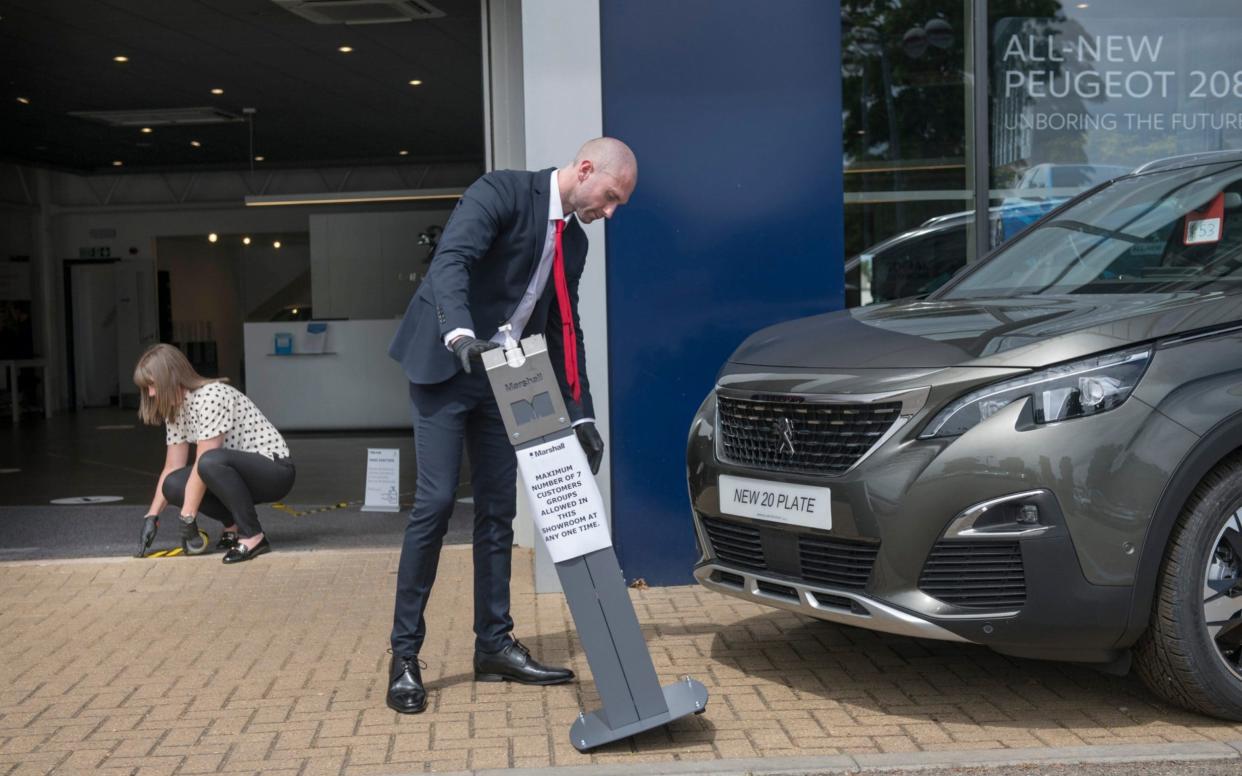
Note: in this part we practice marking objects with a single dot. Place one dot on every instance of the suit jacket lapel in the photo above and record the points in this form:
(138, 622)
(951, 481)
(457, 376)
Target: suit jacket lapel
(539, 219)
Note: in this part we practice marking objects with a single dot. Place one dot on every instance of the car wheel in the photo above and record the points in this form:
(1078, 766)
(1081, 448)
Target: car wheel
(1191, 653)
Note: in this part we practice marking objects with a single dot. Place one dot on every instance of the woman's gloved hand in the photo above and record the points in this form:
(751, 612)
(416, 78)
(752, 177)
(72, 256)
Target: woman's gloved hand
(150, 525)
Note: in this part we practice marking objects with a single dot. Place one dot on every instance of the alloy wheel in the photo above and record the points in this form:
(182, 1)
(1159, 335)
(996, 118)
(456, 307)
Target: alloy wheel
(1222, 594)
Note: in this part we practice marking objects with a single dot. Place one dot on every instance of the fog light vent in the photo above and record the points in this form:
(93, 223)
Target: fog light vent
(975, 574)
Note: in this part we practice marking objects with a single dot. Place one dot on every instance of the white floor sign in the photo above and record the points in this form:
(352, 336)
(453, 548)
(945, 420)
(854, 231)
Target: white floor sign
(383, 480)
(568, 509)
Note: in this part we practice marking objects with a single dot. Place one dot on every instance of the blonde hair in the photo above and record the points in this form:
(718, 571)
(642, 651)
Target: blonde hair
(167, 368)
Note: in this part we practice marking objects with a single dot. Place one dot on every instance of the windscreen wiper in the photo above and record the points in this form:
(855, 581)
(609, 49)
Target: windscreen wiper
(1080, 226)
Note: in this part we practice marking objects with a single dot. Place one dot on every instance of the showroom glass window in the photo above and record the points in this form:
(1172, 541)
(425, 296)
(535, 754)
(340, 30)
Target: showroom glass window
(1081, 92)
(905, 122)
(1078, 92)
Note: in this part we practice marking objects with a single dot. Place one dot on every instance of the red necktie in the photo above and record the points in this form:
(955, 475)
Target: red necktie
(570, 337)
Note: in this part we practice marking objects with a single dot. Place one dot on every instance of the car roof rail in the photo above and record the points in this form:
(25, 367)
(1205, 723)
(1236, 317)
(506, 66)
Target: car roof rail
(1188, 160)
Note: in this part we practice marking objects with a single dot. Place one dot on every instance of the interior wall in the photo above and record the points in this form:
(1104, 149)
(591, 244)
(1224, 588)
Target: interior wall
(204, 286)
(138, 229)
(18, 333)
(361, 263)
(264, 271)
(16, 233)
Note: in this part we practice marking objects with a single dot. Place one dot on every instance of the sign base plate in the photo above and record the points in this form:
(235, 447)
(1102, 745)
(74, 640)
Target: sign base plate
(683, 698)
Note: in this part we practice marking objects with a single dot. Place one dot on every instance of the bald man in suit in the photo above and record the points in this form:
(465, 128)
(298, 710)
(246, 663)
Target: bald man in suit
(512, 253)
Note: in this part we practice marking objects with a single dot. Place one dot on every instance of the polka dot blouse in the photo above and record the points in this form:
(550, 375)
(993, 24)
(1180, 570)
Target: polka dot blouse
(219, 408)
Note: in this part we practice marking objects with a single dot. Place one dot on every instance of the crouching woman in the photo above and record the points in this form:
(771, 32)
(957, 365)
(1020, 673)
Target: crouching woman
(240, 458)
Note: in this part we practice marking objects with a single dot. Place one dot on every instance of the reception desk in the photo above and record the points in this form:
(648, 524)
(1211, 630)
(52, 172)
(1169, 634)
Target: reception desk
(342, 379)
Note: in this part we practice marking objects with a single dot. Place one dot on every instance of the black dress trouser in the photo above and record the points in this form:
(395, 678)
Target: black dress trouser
(236, 481)
(455, 416)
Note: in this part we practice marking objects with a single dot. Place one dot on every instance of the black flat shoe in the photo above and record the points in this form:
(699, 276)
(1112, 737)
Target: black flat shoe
(227, 541)
(514, 664)
(406, 694)
(240, 553)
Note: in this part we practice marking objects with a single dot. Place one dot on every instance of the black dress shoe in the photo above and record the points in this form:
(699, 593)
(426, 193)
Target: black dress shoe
(406, 694)
(514, 664)
(240, 553)
(227, 541)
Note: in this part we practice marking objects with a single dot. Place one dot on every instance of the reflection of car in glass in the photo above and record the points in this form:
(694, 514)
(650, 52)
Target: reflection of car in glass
(915, 262)
(1043, 187)
(1044, 456)
(920, 260)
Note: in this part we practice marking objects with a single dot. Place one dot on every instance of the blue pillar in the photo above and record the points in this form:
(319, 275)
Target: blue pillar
(734, 110)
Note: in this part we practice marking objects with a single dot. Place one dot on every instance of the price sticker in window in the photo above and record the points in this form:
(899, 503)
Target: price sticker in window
(1204, 225)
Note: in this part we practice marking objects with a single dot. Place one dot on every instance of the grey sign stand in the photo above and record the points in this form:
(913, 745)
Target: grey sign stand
(633, 700)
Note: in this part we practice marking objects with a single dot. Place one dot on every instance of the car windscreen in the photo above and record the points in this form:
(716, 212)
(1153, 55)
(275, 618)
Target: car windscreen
(1172, 231)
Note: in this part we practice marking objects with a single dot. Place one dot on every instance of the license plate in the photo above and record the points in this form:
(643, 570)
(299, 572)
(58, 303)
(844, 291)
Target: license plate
(777, 502)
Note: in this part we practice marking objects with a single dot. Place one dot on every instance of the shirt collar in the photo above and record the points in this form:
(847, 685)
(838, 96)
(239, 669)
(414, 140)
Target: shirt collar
(555, 212)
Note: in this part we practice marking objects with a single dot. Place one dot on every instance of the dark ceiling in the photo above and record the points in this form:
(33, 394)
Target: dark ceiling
(314, 106)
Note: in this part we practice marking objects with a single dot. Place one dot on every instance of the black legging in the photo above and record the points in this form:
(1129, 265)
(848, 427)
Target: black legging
(236, 481)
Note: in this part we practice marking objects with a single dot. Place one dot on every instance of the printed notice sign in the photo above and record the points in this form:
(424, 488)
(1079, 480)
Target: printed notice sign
(568, 509)
(383, 480)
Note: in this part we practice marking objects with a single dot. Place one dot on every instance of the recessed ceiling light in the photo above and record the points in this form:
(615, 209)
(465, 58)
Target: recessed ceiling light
(146, 130)
(258, 158)
(213, 237)
(217, 91)
(196, 144)
(117, 163)
(120, 58)
(24, 100)
(245, 241)
(403, 153)
(345, 49)
(416, 82)
(276, 244)
(1083, 5)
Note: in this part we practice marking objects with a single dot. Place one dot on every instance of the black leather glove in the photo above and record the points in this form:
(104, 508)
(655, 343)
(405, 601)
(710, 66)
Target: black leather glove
(468, 349)
(592, 444)
(150, 524)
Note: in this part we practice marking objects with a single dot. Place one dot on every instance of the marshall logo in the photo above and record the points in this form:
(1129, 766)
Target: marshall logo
(785, 429)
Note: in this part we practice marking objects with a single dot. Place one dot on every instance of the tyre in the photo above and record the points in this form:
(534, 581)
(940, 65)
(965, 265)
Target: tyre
(1191, 653)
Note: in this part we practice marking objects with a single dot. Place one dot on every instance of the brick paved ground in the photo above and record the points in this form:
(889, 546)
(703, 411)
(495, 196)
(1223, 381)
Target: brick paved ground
(184, 666)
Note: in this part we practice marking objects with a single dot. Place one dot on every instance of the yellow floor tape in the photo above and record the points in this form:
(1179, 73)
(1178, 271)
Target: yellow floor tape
(299, 513)
(166, 553)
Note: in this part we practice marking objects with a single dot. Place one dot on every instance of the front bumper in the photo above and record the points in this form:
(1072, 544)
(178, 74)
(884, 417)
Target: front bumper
(905, 497)
(841, 606)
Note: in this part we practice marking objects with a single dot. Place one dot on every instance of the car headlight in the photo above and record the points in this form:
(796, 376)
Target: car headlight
(1074, 390)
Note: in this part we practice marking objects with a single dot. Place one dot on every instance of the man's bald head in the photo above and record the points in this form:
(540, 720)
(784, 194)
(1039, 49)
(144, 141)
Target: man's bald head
(609, 155)
(600, 179)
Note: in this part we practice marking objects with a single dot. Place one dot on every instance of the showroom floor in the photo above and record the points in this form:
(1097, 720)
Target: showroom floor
(109, 453)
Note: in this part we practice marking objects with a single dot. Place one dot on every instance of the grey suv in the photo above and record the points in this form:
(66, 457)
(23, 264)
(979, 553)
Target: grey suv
(1044, 456)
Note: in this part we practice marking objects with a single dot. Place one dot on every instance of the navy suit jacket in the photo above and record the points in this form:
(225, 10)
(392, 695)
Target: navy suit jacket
(483, 264)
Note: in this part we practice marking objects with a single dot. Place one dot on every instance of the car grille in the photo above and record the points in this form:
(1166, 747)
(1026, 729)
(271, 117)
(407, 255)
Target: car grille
(825, 438)
(843, 564)
(736, 544)
(975, 574)
(836, 562)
